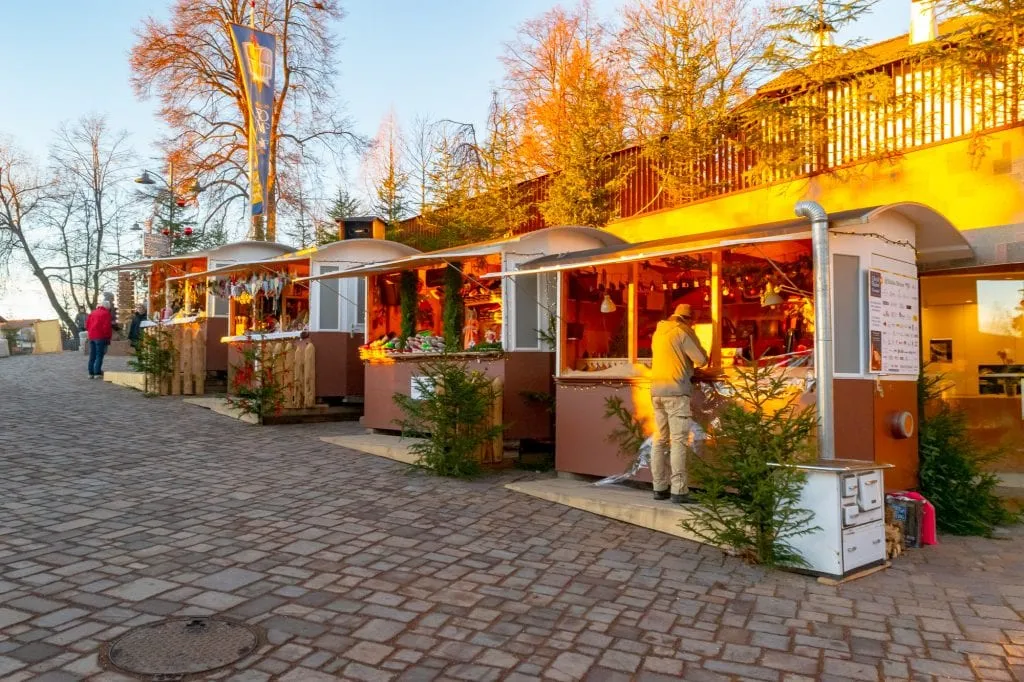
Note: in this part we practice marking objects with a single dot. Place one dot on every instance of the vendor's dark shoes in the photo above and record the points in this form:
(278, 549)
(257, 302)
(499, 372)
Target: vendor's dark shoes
(661, 494)
(682, 499)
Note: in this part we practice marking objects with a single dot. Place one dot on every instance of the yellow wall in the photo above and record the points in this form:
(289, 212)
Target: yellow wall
(972, 191)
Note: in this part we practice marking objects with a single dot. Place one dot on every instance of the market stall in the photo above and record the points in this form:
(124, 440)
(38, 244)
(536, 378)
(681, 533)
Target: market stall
(444, 302)
(753, 293)
(194, 315)
(275, 301)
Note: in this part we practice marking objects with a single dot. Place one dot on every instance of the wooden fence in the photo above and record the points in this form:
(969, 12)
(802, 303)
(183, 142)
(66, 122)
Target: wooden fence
(187, 342)
(293, 367)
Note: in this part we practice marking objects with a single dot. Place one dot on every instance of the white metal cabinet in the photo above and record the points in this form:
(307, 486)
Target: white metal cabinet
(846, 498)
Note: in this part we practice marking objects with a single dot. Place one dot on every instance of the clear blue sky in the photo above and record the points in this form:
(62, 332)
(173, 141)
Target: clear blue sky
(438, 58)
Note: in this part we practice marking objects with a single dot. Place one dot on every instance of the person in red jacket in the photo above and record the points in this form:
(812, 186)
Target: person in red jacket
(100, 328)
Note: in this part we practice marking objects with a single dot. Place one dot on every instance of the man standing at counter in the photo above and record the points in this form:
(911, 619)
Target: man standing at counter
(675, 351)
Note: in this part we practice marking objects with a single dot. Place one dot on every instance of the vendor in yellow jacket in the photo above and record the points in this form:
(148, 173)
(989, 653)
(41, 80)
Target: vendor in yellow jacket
(675, 351)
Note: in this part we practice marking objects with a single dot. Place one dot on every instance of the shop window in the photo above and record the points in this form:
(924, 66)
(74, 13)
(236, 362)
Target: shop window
(360, 321)
(846, 316)
(329, 307)
(219, 305)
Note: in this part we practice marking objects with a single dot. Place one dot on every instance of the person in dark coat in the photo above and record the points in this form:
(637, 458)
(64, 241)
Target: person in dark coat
(101, 330)
(135, 329)
(80, 318)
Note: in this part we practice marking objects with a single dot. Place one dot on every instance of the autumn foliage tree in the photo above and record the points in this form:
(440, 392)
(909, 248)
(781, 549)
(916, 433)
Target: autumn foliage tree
(566, 92)
(188, 64)
(688, 64)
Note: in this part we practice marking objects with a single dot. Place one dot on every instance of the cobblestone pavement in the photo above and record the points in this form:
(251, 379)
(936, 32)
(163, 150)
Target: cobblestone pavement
(117, 510)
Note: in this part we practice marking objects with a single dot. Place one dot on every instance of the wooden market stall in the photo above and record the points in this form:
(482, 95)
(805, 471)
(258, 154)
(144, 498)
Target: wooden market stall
(315, 326)
(752, 290)
(194, 315)
(505, 327)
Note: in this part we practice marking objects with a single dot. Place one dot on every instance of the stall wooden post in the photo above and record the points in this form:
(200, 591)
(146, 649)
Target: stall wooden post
(309, 375)
(631, 313)
(715, 352)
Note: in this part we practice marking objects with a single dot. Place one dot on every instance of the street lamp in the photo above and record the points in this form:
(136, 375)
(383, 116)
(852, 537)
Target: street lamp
(147, 179)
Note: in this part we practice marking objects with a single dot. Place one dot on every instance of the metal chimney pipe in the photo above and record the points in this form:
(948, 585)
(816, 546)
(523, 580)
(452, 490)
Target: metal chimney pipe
(813, 211)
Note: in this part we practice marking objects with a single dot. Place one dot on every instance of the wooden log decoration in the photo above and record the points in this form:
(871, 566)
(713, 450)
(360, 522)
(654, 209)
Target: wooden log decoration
(497, 449)
(309, 376)
(187, 340)
(199, 359)
(176, 373)
(295, 378)
(276, 361)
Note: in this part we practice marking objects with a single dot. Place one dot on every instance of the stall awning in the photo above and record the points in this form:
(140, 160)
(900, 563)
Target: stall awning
(412, 262)
(631, 253)
(146, 263)
(265, 264)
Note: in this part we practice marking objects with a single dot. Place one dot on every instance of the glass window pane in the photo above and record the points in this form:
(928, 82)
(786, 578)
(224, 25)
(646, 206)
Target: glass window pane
(846, 316)
(329, 299)
(526, 297)
(361, 301)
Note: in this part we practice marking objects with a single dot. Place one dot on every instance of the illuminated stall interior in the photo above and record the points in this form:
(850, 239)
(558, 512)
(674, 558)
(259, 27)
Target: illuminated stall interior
(972, 329)
(750, 302)
(481, 302)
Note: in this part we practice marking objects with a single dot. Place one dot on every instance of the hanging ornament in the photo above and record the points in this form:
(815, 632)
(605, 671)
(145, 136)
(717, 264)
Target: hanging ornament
(607, 304)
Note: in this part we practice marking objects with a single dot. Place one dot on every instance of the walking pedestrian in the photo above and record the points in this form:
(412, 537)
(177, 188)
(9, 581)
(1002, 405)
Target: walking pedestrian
(675, 351)
(135, 329)
(101, 330)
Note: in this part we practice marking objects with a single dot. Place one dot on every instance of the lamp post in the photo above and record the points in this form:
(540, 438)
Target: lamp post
(147, 179)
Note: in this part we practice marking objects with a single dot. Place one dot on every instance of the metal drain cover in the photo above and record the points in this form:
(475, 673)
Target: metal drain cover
(184, 646)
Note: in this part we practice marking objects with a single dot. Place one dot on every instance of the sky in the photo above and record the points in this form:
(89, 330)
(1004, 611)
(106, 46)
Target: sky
(435, 58)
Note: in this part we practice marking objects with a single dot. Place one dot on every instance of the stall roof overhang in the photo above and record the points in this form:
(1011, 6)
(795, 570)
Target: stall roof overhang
(356, 252)
(937, 239)
(529, 244)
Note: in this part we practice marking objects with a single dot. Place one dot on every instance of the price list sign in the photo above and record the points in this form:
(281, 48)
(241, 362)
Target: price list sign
(894, 324)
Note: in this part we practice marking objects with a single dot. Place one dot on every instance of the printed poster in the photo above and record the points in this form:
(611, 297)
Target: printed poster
(894, 324)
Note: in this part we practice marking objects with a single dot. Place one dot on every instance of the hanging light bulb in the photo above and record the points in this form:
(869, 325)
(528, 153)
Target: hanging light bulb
(707, 297)
(725, 290)
(607, 304)
(696, 283)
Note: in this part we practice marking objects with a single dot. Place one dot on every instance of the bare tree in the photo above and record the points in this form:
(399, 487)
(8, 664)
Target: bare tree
(188, 63)
(385, 174)
(66, 225)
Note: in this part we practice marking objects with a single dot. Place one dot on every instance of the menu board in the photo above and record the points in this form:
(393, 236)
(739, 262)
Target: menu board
(894, 326)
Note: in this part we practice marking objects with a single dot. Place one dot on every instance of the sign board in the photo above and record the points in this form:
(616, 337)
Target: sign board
(156, 245)
(420, 387)
(894, 324)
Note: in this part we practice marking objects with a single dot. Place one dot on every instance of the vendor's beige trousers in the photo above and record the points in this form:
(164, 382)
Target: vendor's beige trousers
(671, 440)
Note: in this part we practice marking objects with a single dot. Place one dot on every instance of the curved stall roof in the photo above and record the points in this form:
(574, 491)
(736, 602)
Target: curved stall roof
(562, 239)
(249, 248)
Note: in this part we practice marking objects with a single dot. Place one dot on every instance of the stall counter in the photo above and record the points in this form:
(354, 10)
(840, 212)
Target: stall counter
(521, 372)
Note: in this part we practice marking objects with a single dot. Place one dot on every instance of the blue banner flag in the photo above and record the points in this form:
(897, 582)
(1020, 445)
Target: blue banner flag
(255, 53)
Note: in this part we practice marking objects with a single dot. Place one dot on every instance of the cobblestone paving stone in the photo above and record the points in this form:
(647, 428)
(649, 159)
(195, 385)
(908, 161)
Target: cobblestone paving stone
(117, 510)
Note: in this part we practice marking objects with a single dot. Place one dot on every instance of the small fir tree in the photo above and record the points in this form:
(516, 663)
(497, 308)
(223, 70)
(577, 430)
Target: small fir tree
(408, 295)
(751, 488)
(452, 419)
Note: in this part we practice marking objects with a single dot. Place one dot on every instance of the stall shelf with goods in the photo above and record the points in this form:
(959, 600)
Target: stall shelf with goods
(444, 303)
(752, 293)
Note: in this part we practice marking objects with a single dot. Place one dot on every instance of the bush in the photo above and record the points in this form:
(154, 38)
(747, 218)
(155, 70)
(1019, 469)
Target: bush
(951, 468)
(751, 487)
(453, 418)
(155, 356)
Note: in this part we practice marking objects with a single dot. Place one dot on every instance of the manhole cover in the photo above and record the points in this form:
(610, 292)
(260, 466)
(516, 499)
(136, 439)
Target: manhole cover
(180, 647)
